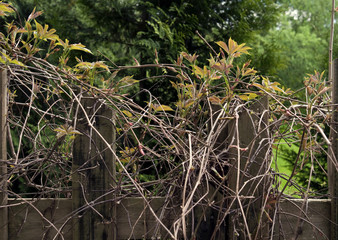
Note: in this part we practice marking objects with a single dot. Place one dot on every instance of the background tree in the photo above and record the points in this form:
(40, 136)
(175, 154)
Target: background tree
(123, 30)
(298, 44)
(289, 38)
(136, 25)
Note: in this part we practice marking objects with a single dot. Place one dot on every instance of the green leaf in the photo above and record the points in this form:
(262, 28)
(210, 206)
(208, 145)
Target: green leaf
(100, 64)
(92, 65)
(128, 80)
(164, 108)
(5, 59)
(39, 27)
(248, 96)
(16, 62)
(158, 108)
(127, 113)
(202, 73)
(65, 130)
(84, 65)
(80, 47)
(248, 71)
(233, 48)
(198, 71)
(277, 89)
(5, 8)
(223, 45)
(190, 58)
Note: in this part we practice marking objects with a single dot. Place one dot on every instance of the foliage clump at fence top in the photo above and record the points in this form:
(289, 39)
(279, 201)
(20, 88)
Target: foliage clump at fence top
(175, 150)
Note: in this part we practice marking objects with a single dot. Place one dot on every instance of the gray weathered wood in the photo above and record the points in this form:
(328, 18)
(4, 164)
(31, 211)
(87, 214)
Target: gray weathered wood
(134, 220)
(333, 154)
(316, 224)
(254, 161)
(3, 156)
(93, 174)
(29, 220)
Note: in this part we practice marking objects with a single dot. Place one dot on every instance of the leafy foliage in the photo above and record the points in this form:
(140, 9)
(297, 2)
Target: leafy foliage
(153, 30)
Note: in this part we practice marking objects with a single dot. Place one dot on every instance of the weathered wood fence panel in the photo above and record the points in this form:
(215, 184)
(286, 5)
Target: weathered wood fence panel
(93, 173)
(32, 219)
(246, 137)
(311, 223)
(250, 165)
(133, 222)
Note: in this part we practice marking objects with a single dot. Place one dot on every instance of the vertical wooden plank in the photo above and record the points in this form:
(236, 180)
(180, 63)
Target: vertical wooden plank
(253, 139)
(3, 157)
(93, 173)
(204, 221)
(113, 182)
(333, 153)
(209, 218)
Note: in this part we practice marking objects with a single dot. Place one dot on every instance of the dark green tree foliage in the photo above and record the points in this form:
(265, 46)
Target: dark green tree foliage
(133, 28)
(123, 30)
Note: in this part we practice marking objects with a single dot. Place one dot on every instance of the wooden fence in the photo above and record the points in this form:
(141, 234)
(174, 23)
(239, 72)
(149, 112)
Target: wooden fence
(132, 222)
(102, 215)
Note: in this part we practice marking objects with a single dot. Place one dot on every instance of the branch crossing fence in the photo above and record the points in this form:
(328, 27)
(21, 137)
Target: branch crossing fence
(223, 188)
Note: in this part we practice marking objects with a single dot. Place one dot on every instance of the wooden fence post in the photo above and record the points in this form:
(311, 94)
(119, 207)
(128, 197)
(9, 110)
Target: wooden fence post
(3, 157)
(254, 160)
(333, 153)
(93, 174)
(253, 137)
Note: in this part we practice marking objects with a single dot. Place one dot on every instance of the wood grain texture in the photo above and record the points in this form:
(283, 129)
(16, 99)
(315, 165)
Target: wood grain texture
(316, 223)
(31, 219)
(251, 166)
(28, 220)
(93, 173)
